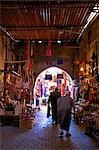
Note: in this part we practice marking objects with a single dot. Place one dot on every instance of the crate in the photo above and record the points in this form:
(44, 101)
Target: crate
(26, 124)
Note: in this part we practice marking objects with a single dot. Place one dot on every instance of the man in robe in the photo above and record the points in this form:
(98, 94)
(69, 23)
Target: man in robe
(64, 107)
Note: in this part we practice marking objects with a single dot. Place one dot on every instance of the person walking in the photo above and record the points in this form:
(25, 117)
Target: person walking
(48, 105)
(53, 99)
(64, 106)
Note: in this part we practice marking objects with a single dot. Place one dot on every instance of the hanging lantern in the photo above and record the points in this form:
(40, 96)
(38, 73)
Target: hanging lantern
(49, 49)
(60, 61)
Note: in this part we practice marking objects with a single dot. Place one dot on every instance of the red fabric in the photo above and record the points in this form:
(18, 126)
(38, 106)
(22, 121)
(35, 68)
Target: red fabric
(49, 50)
(65, 82)
(30, 67)
(26, 50)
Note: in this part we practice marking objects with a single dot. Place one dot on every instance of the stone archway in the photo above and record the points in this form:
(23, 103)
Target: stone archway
(58, 74)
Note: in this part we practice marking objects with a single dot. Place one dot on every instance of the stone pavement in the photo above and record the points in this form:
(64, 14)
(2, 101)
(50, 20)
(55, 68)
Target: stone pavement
(45, 136)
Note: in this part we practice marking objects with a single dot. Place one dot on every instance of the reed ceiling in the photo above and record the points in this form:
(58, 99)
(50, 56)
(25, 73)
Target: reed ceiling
(44, 20)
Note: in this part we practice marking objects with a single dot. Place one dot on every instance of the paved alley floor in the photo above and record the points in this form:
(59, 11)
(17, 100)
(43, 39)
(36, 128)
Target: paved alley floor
(45, 136)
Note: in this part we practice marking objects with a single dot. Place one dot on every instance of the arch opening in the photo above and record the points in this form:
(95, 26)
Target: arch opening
(47, 81)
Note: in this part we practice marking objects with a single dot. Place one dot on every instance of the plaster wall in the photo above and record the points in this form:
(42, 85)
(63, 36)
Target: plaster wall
(41, 62)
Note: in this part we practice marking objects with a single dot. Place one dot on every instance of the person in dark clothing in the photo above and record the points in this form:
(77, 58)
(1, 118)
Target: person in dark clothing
(48, 106)
(53, 99)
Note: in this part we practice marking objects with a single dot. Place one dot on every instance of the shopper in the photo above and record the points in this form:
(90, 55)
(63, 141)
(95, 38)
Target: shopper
(48, 106)
(53, 99)
(64, 106)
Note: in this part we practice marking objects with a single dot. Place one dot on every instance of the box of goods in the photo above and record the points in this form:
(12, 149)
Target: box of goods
(26, 124)
(9, 113)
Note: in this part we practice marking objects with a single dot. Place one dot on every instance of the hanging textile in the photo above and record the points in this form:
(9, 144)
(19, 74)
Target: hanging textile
(27, 50)
(65, 82)
(30, 67)
(41, 89)
(45, 91)
(49, 49)
(19, 70)
(27, 64)
(57, 81)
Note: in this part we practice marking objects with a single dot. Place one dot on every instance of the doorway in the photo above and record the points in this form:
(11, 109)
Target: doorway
(47, 81)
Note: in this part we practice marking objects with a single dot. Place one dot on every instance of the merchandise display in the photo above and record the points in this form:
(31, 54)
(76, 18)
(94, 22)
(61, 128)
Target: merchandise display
(87, 113)
(16, 113)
